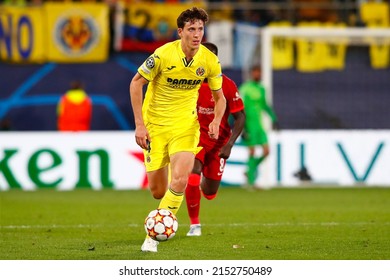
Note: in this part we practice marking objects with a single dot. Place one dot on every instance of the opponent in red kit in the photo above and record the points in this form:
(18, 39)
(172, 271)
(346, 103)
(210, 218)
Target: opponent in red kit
(210, 161)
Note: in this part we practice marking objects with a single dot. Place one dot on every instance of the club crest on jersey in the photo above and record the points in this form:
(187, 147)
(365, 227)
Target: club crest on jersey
(149, 62)
(237, 97)
(200, 71)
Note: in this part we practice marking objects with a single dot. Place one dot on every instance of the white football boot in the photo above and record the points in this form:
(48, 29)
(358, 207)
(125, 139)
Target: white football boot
(149, 245)
(195, 230)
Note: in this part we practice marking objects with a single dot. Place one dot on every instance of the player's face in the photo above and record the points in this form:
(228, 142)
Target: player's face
(256, 75)
(191, 34)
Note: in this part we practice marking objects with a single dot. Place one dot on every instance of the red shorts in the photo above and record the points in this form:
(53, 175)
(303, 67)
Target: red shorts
(213, 165)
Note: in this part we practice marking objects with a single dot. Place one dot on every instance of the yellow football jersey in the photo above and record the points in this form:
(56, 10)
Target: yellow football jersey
(173, 86)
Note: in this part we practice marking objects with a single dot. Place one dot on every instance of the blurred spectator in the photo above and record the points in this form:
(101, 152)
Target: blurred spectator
(74, 110)
(354, 20)
(35, 2)
(314, 10)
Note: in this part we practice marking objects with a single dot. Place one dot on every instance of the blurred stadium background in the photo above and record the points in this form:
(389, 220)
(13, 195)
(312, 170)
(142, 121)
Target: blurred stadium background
(331, 96)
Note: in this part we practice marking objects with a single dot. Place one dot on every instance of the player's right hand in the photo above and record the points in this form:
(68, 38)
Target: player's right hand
(142, 137)
(214, 129)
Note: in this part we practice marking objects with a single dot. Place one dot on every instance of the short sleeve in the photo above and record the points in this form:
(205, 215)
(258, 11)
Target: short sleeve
(215, 77)
(151, 66)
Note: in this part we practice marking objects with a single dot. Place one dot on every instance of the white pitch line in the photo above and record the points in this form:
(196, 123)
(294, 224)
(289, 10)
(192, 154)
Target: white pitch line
(323, 224)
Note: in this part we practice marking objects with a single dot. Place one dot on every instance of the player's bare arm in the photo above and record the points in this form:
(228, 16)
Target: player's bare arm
(219, 110)
(136, 97)
(238, 126)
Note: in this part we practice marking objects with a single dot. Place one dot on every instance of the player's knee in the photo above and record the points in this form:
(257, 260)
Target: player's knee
(179, 184)
(210, 196)
(158, 194)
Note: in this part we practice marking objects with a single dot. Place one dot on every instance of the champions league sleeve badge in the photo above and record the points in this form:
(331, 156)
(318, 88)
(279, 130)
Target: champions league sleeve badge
(150, 62)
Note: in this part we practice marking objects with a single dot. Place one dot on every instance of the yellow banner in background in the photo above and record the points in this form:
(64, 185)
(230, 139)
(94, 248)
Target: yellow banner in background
(379, 51)
(310, 53)
(282, 49)
(77, 32)
(155, 21)
(334, 55)
(375, 13)
(21, 34)
(56, 32)
(380, 54)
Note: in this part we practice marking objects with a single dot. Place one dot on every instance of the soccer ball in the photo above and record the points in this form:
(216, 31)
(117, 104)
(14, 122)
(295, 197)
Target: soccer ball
(161, 224)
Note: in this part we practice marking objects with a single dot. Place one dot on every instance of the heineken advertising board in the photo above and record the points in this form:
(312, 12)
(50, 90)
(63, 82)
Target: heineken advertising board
(97, 160)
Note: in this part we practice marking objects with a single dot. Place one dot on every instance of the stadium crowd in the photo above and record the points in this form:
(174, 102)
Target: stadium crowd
(258, 13)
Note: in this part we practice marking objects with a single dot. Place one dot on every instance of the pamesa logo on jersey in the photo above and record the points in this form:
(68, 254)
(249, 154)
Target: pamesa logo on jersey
(76, 33)
(183, 83)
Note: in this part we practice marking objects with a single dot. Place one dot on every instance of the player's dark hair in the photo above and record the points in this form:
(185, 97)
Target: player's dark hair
(211, 47)
(256, 68)
(190, 15)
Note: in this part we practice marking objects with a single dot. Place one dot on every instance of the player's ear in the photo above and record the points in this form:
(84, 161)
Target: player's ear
(179, 31)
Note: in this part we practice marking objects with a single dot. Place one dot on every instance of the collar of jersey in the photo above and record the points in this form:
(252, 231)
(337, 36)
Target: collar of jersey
(183, 56)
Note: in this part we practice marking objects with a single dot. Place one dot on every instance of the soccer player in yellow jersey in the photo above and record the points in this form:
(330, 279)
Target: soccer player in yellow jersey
(166, 121)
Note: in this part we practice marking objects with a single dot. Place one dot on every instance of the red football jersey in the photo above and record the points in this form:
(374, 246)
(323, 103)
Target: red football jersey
(205, 107)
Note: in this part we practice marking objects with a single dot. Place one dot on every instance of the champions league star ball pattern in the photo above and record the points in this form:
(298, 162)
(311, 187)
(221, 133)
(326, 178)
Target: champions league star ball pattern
(161, 225)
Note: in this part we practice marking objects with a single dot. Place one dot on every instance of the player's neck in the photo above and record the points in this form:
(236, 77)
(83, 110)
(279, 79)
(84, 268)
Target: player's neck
(189, 53)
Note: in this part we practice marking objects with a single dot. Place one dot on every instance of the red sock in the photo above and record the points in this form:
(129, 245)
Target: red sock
(193, 198)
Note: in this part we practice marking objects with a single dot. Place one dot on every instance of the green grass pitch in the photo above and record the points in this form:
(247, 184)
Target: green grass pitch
(277, 224)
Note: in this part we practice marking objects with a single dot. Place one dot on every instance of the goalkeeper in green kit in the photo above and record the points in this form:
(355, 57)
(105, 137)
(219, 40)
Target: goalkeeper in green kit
(254, 134)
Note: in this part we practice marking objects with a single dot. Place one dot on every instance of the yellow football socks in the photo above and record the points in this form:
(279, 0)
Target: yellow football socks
(172, 201)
